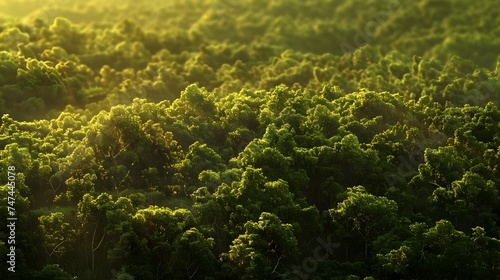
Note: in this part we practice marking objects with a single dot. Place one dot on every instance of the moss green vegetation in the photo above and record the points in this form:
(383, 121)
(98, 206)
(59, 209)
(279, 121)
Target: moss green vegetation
(252, 139)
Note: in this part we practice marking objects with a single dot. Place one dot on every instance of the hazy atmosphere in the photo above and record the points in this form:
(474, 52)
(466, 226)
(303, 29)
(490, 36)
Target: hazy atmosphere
(250, 139)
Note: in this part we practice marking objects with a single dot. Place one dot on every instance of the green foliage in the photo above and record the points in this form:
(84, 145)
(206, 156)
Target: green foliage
(440, 252)
(362, 215)
(58, 235)
(225, 139)
(52, 271)
(259, 251)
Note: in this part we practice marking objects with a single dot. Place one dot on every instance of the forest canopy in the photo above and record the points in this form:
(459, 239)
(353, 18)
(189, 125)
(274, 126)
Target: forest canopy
(250, 139)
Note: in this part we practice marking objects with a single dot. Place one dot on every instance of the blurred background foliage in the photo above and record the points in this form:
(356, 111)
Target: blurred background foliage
(93, 56)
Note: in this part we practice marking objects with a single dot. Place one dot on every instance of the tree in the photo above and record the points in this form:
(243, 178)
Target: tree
(52, 272)
(442, 252)
(193, 255)
(91, 216)
(441, 167)
(199, 158)
(59, 237)
(263, 248)
(470, 200)
(132, 152)
(364, 215)
(155, 230)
